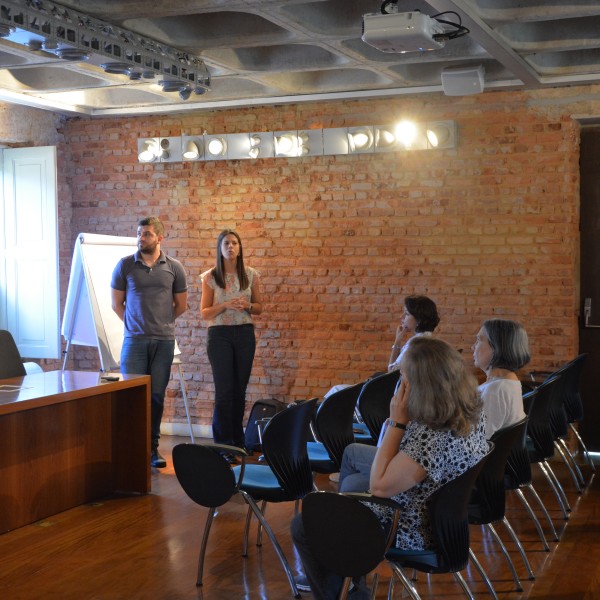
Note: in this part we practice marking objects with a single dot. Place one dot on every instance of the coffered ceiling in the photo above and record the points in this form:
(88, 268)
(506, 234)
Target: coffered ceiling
(249, 52)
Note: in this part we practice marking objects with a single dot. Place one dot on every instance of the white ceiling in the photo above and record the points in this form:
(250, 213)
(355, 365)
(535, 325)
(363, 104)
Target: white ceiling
(276, 51)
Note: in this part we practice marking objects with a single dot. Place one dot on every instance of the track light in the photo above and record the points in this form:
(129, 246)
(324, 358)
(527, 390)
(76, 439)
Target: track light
(148, 150)
(406, 136)
(217, 146)
(191, 151)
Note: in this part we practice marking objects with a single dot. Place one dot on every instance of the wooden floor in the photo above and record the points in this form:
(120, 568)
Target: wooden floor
(146, 547)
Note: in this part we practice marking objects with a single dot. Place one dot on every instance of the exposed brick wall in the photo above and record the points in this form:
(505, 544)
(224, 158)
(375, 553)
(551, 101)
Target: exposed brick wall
(488, 229)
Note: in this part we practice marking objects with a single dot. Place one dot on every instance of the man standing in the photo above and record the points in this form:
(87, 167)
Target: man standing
(149, 291)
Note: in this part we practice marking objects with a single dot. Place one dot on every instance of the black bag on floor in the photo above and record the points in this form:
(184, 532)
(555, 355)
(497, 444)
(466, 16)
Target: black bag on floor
(262, 409)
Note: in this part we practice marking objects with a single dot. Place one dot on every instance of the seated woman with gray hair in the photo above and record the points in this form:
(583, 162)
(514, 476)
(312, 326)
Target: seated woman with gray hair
(501, 349)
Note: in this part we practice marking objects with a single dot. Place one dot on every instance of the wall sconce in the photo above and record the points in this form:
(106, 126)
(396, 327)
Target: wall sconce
(148, 149)
(361, 139)
(192, 148)
(441, 134)
(216, 147)
(368, 139)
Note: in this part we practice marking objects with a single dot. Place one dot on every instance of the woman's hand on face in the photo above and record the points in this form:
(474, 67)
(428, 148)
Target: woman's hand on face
(399, 403)
(400, 333)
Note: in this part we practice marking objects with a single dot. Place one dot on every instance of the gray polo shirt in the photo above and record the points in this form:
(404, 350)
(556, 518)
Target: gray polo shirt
(149, 310)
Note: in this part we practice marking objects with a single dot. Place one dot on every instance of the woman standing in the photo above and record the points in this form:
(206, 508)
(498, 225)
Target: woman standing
(230, 296)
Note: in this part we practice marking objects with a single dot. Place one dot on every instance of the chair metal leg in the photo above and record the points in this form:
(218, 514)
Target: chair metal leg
(520, 548)
(587, 455)
(511, 565)
(543, 508)
(374, 586)
(483, 574)
(534, 518)
(247, 531)
(207, 525)
(556, 488)
(463, 585)
(573, 467)
(263, 509)
(284, 563)
(406, 582)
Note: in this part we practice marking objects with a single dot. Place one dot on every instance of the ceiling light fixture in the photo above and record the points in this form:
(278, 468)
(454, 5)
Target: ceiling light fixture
(44, 25)
(360, 139)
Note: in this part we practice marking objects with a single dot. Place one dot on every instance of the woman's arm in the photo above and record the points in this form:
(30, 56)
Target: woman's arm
(207, 310)
(394, 471)
(397, 346)
(255, 307)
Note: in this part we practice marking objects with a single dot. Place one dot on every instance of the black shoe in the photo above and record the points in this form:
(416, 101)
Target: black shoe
(156, 460)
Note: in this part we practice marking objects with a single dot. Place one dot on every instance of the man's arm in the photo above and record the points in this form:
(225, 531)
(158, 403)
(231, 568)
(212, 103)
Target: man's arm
(118, 302)
(180, 303)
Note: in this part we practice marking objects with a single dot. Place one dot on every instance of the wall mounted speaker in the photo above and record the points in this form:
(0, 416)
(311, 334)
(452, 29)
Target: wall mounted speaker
(463, 81)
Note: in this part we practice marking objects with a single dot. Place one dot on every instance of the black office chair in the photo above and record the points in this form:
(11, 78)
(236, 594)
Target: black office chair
(488, 501)
(573, 403)
(345, 535)
(284, 476)
(207, 478)
(374, 401)
(333, 429)
(540, 436)
(11, 363)
(517, 477)
(449, 521)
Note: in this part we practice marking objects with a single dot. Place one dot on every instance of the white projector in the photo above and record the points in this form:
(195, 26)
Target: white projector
(401, 32)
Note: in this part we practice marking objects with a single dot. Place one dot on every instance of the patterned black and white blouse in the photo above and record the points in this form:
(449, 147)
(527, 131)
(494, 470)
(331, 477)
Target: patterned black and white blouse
(444, 456)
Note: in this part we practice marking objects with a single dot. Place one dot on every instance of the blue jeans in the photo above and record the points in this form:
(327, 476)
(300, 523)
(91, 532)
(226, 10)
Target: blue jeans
(146, 356)
(230, 351)
(355, 471)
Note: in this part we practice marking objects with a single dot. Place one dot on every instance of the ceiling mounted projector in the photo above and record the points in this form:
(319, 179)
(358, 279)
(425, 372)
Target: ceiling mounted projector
(403, 32)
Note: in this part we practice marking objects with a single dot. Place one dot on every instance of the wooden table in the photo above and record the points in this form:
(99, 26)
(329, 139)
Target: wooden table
(68, 437)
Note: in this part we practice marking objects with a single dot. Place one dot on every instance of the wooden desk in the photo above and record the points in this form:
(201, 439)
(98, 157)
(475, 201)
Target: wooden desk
(66, 438)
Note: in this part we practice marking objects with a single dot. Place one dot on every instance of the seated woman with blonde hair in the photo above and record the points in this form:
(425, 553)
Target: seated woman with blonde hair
(435, 432)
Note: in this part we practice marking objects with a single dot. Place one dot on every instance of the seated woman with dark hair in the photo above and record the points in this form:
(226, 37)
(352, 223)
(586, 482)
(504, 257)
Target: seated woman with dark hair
(501, 348)
(435, 432)
(420, 318)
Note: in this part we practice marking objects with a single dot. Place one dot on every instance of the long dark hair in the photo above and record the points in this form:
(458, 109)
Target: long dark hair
(219, 270)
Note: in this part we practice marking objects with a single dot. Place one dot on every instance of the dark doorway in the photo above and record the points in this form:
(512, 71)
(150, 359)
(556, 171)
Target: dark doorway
(589, 336)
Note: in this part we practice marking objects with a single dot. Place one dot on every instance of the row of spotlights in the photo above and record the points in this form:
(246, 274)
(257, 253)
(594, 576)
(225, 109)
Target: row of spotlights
(406, 135)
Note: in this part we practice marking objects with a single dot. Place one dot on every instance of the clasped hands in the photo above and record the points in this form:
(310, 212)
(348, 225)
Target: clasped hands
(240, 304)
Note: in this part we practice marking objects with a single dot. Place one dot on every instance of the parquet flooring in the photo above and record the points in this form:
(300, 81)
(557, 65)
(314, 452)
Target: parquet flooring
(146, 547)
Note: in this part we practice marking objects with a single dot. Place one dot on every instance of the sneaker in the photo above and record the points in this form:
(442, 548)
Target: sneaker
(302, 583)
(156, 460)
(335, 477)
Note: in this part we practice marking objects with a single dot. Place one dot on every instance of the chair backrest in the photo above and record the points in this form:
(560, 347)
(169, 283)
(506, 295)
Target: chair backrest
(374, 401)
(11, 363)
(572, 401)
(448, 510)
(333, 421)
(204, 474)
(539, 428)
(488, 501)
(518, 466)
(284, 447)
(345, 536)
